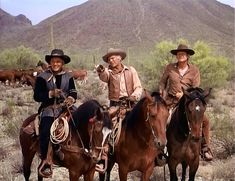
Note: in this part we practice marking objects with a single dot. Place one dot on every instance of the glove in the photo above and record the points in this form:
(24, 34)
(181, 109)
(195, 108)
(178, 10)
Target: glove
(99, 68)
(69, 101)
(131, 98)
(55, 93)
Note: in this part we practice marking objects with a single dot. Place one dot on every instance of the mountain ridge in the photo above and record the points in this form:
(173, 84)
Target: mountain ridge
(100, 24)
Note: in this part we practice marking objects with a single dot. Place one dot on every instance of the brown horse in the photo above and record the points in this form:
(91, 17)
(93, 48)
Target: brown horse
(83, 147)
(143, 136)
(184, 133)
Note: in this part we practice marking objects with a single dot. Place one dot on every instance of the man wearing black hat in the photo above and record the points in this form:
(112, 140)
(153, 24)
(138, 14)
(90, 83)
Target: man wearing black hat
(52, 87)
(184, 75)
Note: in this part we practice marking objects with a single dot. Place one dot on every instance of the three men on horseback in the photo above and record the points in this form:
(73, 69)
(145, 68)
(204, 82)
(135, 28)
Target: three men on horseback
(183, 75)
(53, 87)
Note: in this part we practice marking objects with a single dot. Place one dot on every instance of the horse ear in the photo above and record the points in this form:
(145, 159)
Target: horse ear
(148, 96)
(207, 92)
(99, 114)
(185, 92)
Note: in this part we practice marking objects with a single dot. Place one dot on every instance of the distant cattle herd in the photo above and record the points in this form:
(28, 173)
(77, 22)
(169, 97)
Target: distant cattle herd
(22, 77)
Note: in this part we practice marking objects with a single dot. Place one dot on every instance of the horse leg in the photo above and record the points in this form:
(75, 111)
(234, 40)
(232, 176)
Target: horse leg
(27, 161)
(73, 175)
(184, 166)
(146, 175)
(172, 168)
(28, 154)
(122, 173)
(89, 176)
(193, 169)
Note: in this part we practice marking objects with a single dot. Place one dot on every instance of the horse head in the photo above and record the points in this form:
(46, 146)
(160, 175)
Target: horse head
(195, 107)
(156, 117)
(99, 127)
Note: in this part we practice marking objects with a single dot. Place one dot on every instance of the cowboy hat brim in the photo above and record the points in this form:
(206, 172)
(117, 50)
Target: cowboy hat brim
(121, 53)
(188, 51)
(65, 58)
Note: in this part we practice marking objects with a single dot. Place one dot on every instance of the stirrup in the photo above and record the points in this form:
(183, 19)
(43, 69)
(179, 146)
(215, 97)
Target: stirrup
(44, 169)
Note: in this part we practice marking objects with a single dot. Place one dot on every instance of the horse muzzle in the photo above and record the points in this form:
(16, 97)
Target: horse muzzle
(159, 143)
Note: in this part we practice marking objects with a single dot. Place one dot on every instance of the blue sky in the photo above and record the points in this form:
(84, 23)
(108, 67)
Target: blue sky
(38, 10)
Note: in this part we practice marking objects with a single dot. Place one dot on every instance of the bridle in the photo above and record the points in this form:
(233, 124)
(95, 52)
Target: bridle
(197, 109)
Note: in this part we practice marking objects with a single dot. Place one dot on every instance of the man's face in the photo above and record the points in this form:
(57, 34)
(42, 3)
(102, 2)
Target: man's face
(56, 64)
(182, 56)
(114, 60)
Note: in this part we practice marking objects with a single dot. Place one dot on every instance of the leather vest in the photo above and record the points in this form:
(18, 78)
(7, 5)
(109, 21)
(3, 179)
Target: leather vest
(114, 84)
(49, 78)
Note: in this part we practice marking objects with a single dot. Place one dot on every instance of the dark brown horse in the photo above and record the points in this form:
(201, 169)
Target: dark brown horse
(143, 135)
(80, 149)
(184, 133)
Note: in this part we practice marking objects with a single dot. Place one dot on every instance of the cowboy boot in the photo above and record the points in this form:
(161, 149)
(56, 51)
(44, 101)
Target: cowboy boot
(205, 149)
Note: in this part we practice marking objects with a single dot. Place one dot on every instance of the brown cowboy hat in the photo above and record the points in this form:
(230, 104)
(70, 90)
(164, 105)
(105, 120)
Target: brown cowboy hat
(113, 51)
(57, 53)
(183, 48)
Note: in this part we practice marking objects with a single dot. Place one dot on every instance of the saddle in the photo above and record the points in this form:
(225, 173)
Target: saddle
(33, 127)
(119, 113)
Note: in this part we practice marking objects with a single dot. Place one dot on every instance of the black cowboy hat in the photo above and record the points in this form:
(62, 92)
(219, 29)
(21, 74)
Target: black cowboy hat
(57, 53)
(113, 51)
(183, 48)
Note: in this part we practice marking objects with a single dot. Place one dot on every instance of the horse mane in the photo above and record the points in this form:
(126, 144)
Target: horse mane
(133, 117)
(196, 92)
(86, 111)
(182, 122)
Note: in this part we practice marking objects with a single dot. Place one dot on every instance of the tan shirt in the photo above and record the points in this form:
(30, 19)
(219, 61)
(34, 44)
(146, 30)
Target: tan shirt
(125, 83)
(172, 82)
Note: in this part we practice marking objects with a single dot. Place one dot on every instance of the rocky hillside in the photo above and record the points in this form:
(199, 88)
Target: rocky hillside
(99, 24)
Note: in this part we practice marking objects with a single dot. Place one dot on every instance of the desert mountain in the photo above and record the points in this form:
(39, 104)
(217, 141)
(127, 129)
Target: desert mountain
(99, 24)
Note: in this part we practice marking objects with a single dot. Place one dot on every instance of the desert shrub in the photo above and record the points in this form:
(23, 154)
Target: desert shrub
(3, 153)
(20, 57)
(222, 127)
(12, 128)
(224, 171)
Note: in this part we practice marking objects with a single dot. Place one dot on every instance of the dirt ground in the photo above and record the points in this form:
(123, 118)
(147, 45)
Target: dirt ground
(16, 104)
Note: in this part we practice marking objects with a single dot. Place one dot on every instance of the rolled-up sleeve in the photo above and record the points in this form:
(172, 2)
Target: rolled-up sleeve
(138, 90)
(104, 76)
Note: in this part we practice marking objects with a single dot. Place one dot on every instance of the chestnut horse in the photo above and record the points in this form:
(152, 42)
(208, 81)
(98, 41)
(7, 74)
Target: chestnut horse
(143, 136)
(81, 149)
(184, 133)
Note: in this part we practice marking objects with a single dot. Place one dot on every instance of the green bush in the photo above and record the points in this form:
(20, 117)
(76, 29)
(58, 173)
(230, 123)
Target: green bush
(20, 57)
(214, 70)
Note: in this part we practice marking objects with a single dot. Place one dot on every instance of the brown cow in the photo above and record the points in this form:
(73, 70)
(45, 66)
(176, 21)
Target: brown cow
(7, 76)
(28, 80)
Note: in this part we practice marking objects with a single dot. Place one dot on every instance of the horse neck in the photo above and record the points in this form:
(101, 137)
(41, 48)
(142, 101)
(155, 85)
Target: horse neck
(181, 121)
(140, 130)
(79, 136)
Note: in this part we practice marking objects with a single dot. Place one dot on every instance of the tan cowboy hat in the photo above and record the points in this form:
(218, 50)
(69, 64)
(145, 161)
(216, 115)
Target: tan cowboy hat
(113, 51)
(57, 53)
(183, 48)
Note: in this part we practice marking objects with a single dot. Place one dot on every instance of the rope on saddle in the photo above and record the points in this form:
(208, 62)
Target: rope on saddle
(116, 131)
(59, 130)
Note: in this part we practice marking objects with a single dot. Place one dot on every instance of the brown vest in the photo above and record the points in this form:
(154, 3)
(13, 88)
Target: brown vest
(114, 85)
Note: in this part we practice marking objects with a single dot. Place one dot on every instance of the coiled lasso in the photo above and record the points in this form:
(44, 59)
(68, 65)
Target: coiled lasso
(59, 132)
